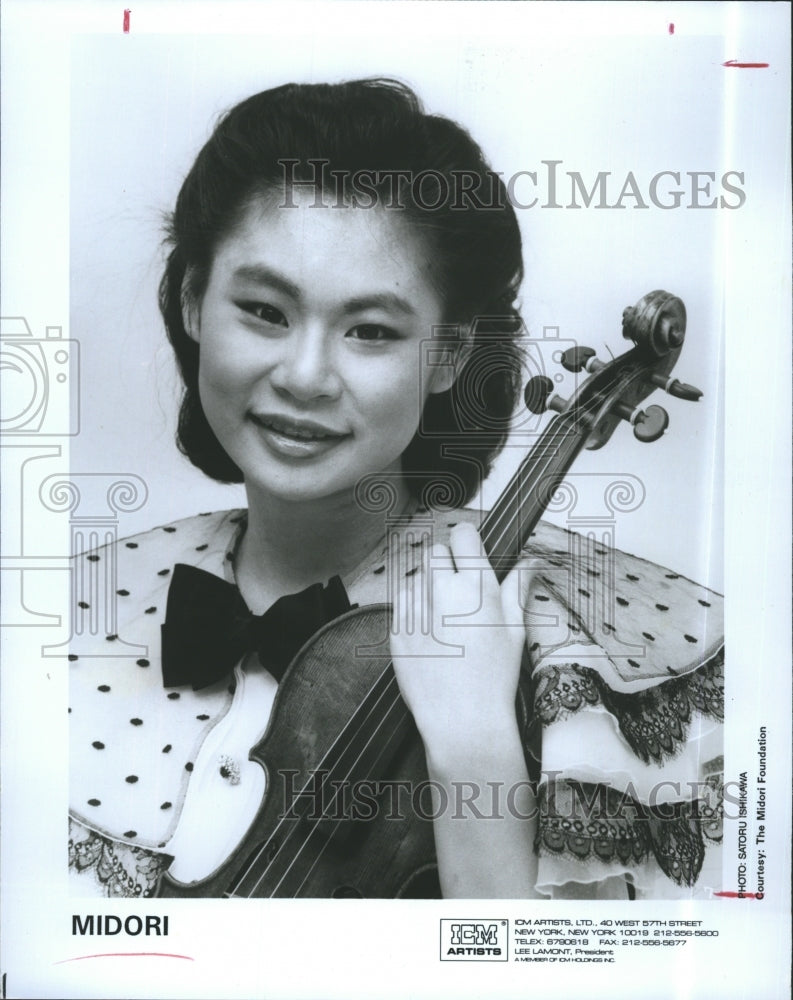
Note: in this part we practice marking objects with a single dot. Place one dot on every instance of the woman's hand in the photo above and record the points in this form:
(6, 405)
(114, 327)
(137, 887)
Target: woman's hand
(456, 643)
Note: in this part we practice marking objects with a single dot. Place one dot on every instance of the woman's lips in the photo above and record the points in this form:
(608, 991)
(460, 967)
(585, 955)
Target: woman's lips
(296, 438)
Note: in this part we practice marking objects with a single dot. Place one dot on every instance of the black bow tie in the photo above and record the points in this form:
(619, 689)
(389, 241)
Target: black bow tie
(208, 626)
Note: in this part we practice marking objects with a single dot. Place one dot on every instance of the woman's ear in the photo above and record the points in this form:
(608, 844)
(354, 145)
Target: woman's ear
(191, 313)
(449, 358)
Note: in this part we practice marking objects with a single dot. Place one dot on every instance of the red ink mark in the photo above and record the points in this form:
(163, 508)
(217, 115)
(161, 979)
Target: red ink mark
(734, 64)
(671, 29)
(126, 21)
(739, 895)
(125, 954)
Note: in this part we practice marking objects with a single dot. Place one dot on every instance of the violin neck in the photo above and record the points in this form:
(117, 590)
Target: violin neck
(506, 529)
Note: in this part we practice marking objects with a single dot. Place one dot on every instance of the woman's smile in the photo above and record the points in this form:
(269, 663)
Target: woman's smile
(296, 438)
(313, 335)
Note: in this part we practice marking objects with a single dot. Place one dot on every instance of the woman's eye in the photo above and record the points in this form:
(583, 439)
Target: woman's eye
(267, 313)
(372, 331)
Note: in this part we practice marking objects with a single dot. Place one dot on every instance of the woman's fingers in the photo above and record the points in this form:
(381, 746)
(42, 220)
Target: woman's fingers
(454, 588)
(413, 607)
(441, 557)
(465, 543)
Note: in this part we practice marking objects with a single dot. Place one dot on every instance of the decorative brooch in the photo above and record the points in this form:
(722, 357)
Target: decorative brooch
(229, 769)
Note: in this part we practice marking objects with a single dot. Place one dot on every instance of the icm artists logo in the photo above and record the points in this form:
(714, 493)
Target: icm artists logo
(474, 940)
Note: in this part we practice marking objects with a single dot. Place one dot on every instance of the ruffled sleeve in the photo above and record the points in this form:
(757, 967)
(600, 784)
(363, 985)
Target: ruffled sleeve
(623, 712)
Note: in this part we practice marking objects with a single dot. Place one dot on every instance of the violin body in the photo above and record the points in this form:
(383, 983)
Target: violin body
(366, 844)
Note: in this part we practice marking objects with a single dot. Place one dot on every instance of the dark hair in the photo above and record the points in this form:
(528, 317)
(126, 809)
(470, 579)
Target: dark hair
(425, 166)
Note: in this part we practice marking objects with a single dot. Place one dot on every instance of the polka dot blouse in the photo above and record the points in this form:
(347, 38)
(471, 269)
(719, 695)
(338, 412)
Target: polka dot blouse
(623, 686)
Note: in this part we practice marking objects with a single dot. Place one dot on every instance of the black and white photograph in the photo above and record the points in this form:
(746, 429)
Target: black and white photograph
(395, 438)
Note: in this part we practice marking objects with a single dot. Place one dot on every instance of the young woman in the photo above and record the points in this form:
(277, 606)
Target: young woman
(340, 294)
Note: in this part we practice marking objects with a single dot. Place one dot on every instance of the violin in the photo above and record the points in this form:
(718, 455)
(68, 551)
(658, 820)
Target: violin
(339, 722)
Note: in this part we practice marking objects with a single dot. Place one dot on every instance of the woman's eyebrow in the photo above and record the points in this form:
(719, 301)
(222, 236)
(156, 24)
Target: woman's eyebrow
(261, 275)
(379, 300)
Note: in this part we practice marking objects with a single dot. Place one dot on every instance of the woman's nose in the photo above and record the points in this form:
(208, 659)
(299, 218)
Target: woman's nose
(306, 369)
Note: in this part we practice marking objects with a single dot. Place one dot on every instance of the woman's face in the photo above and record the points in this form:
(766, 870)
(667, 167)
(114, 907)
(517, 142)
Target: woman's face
(310, 334)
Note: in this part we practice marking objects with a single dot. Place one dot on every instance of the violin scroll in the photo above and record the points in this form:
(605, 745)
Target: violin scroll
(657, 323)
(614, 389)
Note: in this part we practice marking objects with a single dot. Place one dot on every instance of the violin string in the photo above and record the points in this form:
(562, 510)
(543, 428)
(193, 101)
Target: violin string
(494, 532)
(517, 483)
(331, 768)
(556, 434)
(550, 443)
(325, 841)
(338, 785)
(369, 703)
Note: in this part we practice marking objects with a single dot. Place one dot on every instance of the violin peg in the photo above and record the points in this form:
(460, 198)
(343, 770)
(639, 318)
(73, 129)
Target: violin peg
(676, 388)
(684, 391)
(576, 359)
(536, 395)
(650, 424)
